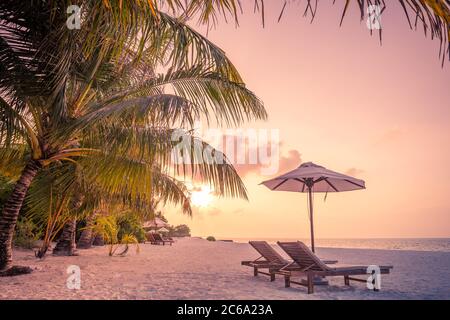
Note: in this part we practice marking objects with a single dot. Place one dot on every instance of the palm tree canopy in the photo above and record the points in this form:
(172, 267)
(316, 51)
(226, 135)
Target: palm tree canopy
(94, 93)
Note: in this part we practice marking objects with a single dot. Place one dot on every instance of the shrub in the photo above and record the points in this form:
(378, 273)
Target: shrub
(26, 234)
(108, 228)
(181, 230)
(130, 225)
(211, 238)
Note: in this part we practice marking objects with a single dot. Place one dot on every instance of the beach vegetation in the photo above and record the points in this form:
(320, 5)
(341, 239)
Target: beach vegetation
(130, 225)
(26, 234)
(181, 230)
(108, 228)
(74, 100)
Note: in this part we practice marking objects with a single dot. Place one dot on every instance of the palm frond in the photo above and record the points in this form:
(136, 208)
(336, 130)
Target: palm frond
(197, 93)
(52, 186)
(12, 128)
(13, 159)
(133, 183)
(150, 144)
(199, 161)
(161, 108)
(167, 189)
(433, 16)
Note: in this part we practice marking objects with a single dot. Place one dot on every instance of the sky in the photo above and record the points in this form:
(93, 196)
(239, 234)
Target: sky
(340, 99)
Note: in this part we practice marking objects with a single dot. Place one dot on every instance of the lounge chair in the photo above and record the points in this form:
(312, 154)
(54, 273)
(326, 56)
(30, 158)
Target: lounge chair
(150, 238)
(310, 266)
(159, 238)
(272, 260)
(168, 238)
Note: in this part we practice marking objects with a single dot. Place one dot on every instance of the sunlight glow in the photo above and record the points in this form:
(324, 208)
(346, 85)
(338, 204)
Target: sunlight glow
(202, 197)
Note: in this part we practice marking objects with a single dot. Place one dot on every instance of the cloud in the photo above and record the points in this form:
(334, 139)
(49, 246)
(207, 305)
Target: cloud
(354, 172)
(284, 163)
(290, 162)
(200, 213)
(262, 157)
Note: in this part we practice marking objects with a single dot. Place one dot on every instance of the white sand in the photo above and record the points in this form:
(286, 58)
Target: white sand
(198, 269)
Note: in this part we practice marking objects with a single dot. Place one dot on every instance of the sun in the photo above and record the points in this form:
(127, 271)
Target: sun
(202, 196)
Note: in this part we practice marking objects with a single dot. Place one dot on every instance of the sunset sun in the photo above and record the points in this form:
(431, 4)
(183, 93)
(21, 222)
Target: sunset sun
(202, 196)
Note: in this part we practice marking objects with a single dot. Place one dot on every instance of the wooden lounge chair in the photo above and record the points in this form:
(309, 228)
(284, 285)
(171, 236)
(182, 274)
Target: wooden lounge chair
(168, 238)
(160, 239)
(150, 238)
(310, 266)
(270, 259)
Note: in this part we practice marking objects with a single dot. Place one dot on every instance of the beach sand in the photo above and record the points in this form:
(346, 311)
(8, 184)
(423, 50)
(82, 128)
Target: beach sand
(197, 269)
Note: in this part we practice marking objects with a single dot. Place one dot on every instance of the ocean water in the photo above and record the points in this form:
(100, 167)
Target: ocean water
(414, 244)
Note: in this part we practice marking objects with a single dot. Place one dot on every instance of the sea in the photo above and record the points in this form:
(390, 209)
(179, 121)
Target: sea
(413, 244)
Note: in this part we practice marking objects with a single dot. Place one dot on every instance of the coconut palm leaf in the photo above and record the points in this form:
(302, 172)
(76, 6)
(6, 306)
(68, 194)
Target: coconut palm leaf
(167, 189)
(49, 187)
(14, 127)
(34, 36)
(13, 159)
(433, 16)
(143, 143)
(197, 93)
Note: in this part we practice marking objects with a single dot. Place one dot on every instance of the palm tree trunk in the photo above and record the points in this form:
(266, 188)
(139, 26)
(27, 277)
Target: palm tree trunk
(98, 240)
(10, 213)
(87, 236)
(66, 242)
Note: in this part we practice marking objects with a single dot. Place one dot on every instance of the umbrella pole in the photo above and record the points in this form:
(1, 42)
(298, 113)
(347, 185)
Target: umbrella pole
(311, 218)
(318, 280)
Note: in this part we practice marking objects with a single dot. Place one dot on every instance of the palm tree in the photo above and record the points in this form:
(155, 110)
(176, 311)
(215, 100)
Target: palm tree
(73, 95)
(87, 235)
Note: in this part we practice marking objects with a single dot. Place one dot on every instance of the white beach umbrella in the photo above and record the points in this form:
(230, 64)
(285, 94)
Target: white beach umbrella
(163, 230)
(310, 178)
(155, 223)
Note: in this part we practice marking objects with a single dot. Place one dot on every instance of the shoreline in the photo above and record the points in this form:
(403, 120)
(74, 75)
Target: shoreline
(444, 245)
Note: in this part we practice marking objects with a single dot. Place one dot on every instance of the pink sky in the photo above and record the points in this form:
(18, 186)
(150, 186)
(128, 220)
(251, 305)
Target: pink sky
(341, 100)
